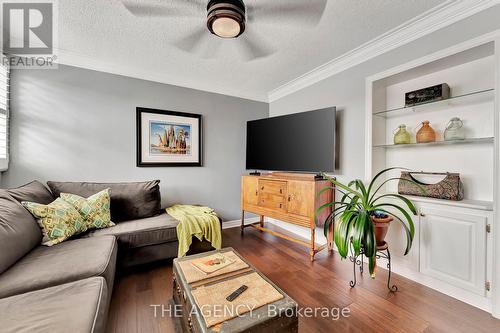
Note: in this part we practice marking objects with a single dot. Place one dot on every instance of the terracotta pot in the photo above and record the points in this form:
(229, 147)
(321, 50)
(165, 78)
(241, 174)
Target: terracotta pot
(426, 133)
(381, 227)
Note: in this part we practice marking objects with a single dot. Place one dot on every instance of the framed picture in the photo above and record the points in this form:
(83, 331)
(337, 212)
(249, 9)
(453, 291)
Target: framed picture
(168, 138)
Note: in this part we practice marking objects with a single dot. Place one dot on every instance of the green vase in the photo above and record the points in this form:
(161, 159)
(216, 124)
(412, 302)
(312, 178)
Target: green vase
(402, 136)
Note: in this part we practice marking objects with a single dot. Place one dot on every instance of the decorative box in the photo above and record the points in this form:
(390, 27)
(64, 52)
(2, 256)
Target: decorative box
(426, 95)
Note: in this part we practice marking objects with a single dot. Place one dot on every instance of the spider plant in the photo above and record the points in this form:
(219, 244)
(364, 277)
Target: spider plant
(354, 210)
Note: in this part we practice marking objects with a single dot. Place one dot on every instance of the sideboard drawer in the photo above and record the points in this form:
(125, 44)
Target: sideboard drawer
(272, 187)
(272, 201)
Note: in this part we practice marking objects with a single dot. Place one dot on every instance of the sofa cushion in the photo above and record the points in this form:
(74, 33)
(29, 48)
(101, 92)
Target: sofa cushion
(148, 254)
(19, 232)
(59, 220)
(142, 232)
(34, 192)
(79, 306)
(95, 209)
(66, 262)
(129, 201)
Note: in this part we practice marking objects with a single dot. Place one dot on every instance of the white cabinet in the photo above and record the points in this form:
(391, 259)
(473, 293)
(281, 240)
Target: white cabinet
(452, 251)
(453, 246)
(396, 238)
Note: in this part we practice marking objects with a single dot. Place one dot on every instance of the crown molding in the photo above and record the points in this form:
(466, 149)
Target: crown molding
(428, 22)
(82, 61)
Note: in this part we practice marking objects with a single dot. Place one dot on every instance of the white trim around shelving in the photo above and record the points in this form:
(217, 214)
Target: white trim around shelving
(495, 283)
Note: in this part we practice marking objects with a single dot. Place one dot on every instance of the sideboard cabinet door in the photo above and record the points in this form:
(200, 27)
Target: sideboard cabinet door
(453, 247)
(250, 190)
(300, 198)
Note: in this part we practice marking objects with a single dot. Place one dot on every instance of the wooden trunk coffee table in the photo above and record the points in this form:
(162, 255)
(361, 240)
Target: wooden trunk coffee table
(191, 287)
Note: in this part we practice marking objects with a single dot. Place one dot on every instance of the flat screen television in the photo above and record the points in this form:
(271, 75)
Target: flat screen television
(299, 142)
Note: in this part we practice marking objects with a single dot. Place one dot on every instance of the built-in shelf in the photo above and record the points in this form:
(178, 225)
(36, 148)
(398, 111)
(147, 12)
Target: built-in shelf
(465, 203)
(470, 72)
(470, 98)
(438, 143)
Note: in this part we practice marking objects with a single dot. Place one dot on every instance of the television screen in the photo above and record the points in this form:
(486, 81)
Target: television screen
(302, 142)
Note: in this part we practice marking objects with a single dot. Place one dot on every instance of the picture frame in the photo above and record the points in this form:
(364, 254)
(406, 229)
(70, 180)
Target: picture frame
(168, 138)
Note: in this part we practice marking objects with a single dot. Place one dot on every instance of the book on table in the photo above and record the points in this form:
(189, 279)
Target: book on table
(212, 263)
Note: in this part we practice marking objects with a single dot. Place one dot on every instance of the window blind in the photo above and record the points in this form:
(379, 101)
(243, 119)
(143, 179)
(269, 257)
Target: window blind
(4, 117)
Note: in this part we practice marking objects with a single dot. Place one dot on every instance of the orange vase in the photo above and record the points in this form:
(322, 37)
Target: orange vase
(426, 133)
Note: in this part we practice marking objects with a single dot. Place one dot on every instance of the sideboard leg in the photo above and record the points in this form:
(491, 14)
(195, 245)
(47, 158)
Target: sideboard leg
(242, 221)
(261, 221)
(311, 252)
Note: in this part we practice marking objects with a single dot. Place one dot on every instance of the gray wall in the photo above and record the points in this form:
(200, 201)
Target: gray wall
(346, 90)
(73, 124)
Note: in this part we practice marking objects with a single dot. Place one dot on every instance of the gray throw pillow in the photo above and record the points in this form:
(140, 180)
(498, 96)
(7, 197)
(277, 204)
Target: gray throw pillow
(19, 232)
(32, 192)
(129, 201)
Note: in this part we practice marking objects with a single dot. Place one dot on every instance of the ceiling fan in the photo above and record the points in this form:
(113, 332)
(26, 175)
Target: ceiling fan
(229, 19)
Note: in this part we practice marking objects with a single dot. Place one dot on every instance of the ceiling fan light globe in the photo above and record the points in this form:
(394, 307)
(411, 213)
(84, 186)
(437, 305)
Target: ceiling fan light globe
(226, 27)
(226, 18)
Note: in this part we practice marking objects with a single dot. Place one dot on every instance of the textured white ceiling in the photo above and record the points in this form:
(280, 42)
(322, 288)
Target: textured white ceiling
(104, 35)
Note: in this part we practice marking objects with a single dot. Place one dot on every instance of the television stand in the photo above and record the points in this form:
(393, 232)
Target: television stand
(288, 197)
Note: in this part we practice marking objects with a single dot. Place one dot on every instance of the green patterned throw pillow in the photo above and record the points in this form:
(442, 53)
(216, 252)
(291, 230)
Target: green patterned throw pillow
(95, 210)
(58, 220)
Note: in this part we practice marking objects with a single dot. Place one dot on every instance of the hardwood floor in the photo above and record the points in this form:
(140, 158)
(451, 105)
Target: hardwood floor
(323, 283)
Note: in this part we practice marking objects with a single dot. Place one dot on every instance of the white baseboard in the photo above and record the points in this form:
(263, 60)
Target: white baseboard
(300, 231)
(319, 237)
(237, 223)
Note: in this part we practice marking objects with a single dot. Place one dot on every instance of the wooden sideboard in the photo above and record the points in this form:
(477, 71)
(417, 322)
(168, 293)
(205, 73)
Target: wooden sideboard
(288, 197)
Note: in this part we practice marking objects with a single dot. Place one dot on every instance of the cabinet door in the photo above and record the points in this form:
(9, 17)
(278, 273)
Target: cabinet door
(300, 198)
(250, 190)
(453, 248)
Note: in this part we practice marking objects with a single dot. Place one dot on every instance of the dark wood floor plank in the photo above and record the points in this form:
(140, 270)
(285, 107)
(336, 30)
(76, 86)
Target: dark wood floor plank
(323, 283)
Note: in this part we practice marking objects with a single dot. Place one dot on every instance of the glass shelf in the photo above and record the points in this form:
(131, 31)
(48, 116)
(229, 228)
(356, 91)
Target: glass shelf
(470, 98)
(438, 143)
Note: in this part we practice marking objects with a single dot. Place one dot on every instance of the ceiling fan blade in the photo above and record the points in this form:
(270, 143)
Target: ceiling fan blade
(191, 41)
(199, 42)
(172, 8)
(306, 12)
(253, 49)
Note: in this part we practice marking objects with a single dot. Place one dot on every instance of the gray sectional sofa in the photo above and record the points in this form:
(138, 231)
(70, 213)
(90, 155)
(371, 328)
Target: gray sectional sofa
(68, 287)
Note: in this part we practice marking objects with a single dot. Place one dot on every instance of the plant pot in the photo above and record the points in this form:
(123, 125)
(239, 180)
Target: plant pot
(381, 227)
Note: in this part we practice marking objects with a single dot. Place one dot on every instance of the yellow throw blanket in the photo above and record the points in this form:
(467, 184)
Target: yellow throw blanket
(201, 222)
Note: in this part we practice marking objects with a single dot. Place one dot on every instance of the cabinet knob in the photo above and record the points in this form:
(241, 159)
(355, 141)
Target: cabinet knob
(256, 192)
(281, 191)
(262, 188)
(281, 205)
(289, 198)
(422, 214)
